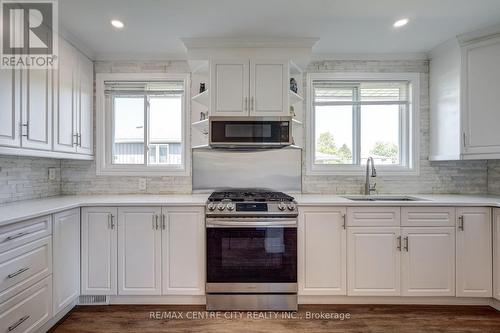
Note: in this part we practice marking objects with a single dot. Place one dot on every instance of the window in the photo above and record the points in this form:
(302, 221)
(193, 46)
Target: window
(142, 125)
(354, 116)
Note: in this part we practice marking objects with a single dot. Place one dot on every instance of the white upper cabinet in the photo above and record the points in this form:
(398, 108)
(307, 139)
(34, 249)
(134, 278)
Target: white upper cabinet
(481, 88)
(10, 115)
(373, 261)
(269, 85)
(229, 80)
(85, 105)
(243, 87)
(66, 255)
(73, 90)
(428, 261)
(183, 247)
(64, 117)
(322, 251)
(474, 252)
(139, 251)
(464, 85)
(496, 253)
(99, 251)
(37, 109)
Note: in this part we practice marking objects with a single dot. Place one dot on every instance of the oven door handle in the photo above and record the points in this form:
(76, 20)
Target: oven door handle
(251, 224)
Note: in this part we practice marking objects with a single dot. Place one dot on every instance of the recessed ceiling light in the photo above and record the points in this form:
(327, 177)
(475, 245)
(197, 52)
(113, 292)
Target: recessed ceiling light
(117, 24)
(400, 23)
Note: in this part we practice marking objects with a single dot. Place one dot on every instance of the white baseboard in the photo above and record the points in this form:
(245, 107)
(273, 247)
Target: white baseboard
(393, 300)
(166, 300)
(495, 304)
(48, 325)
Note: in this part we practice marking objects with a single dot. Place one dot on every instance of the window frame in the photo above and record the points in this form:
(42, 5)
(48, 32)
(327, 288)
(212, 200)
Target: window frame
(104, 128)
(411, 133)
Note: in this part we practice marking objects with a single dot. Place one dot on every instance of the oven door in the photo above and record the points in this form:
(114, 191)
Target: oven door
(251, 256)
(250, 131)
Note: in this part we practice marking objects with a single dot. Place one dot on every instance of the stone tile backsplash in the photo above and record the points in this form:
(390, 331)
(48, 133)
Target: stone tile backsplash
(23, 178)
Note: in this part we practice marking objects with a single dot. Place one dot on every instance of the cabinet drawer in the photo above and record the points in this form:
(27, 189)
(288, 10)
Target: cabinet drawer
(16, 234)
(428, 216)
(29, 310)
(23, 266)
(373, 216)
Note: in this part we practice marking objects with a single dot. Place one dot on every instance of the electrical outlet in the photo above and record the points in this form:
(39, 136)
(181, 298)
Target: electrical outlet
(52, 173)
(142, 184)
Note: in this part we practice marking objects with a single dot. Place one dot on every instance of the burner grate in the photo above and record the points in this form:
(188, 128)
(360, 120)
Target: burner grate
(261, 196)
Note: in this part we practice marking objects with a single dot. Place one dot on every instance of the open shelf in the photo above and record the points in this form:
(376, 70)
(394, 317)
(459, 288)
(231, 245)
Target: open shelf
(202, 98)
(201, 126)
(295, 98)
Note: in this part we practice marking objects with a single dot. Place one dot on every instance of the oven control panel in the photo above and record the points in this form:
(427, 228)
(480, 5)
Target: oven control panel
(223, 208)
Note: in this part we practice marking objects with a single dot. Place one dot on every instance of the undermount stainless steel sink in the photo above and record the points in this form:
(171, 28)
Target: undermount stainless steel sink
(382, 198)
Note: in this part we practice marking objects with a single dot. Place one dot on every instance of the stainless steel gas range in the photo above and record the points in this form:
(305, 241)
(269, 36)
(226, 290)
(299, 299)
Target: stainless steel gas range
(251, 251)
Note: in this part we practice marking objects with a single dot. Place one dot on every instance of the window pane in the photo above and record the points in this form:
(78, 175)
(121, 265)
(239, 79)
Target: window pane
(163, 154)
(152, 154)
(166, 127)
(384, 91)
(333, 137)
(128, 134)
(325, 92)
(380, 134)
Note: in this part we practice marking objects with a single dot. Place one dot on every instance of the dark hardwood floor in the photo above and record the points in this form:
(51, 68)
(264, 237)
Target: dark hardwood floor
(363, 318)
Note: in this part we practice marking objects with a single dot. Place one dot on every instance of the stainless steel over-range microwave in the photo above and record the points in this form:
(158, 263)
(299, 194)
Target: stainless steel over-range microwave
(250, 131)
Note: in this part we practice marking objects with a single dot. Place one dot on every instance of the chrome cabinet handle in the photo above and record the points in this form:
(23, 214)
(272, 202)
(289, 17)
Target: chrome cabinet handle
(76, 139)
(344, 224)
(251, 103)
(112, 221)
(246, 103)
(156, 222)
(27, 129)
(21, 234)
(461, 223)
(153, 221)
(163, 224)
(109, 221)
(17, 323)
(399, 243)
(406, 244)
(80, 139)
(13, 275)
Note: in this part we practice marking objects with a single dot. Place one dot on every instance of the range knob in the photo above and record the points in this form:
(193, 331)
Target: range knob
(230, 206)
(211, 206)
(282, 206)
(221, 206)
(291, 207)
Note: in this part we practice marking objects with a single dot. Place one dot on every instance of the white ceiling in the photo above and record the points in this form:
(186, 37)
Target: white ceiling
(154, 27)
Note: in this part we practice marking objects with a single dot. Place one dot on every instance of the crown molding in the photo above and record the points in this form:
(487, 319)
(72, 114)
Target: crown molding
(195, 43)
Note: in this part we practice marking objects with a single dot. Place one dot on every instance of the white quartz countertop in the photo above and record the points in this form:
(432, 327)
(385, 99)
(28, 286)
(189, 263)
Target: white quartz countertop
(427, 200)
(22, 210)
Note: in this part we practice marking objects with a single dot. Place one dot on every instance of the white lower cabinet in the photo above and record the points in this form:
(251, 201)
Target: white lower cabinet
(139, 251)
(99, 251)
(496, 253)
(183, 251)
(27, 311)
(66, 257)
(428, 261)
(474, 252)
(373, 261)
(322, 251)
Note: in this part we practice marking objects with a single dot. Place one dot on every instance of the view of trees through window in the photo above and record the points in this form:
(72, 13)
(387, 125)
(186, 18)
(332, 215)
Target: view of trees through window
(354, 121)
